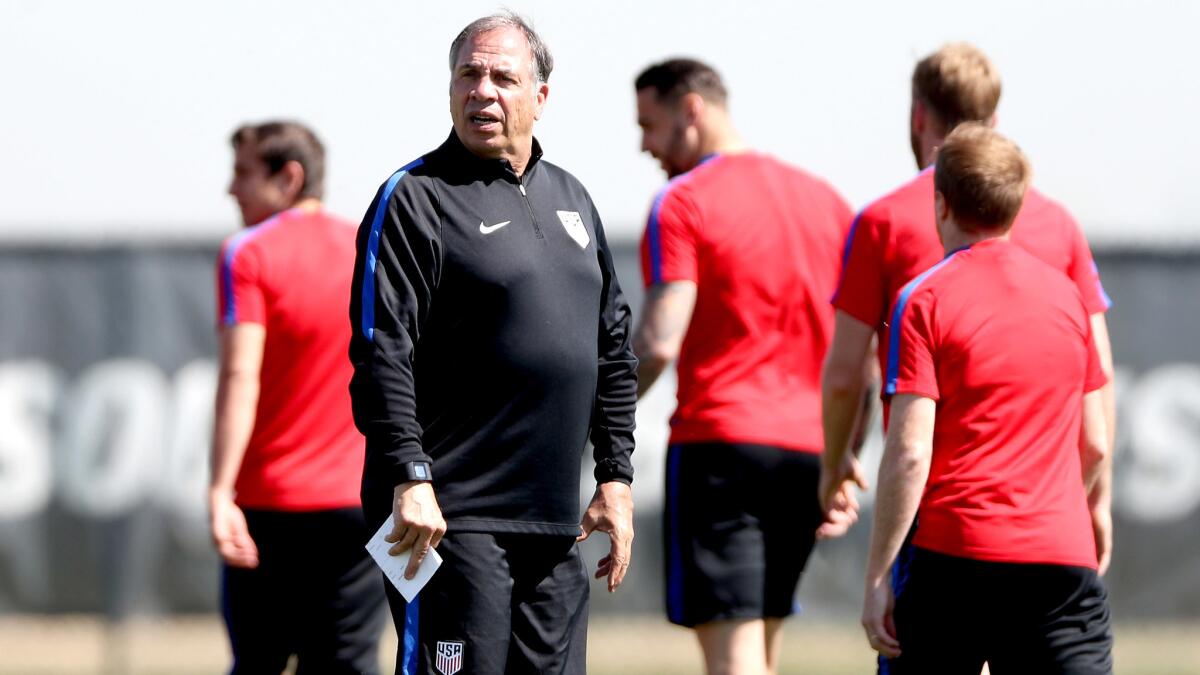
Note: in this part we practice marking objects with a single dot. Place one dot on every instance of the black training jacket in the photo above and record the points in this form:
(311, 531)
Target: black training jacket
(491, 338)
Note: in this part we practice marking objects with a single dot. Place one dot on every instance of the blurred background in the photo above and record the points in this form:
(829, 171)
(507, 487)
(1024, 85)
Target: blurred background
(114, 138)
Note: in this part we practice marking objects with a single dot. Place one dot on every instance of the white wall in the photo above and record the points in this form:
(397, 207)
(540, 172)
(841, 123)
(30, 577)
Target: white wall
(114, 116)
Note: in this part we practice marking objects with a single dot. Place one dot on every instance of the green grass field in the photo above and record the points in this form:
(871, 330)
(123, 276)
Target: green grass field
(35, 645)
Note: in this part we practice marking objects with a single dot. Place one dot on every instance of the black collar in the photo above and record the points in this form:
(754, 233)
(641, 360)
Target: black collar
(466, 160)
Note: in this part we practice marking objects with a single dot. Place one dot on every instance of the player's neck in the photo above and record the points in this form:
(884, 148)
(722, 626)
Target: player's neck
(929, 149)
(721, 137)
(955, 239)
(307, 204)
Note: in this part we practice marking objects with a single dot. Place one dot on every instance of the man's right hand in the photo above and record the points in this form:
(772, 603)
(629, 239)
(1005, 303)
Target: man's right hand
(835, 480)
(230, 534)
(418, 523)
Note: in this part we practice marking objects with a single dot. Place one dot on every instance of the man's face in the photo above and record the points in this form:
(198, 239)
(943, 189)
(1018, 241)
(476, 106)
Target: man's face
(667, 134)
(259, 195)
(495, 96)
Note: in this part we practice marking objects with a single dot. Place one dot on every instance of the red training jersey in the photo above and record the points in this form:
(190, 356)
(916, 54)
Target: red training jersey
(895, 238)
(1003, 343)
(292, 275)
(760, 239)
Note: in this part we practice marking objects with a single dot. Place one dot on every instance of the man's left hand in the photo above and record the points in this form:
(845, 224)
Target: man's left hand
(611, 511)
(878, 603)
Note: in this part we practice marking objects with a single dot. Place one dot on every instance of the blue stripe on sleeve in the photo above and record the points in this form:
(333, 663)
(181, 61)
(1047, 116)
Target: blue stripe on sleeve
(411, 638)
(232, 247)
(846, 256)
(893, 353)
(654, 238)
(1108, 303)
(368, 284)
(653, 234)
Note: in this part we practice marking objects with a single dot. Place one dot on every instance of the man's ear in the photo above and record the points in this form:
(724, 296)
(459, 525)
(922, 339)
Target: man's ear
(919, 117)
(292, 178)
(539, 99)
(693, 107)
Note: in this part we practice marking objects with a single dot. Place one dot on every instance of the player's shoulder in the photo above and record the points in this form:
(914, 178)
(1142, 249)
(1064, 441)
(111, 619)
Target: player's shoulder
(679, 192)
(1040, 208)
(255, 238)
(914, 197)
(801, 176)
(1038, 272)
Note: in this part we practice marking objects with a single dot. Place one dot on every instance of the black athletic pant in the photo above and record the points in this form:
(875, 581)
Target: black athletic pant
(500, 604)
(952, 614)
(316, 594)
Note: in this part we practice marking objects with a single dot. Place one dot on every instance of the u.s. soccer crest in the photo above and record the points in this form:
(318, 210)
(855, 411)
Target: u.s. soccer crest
(574, 227)
(449, 657)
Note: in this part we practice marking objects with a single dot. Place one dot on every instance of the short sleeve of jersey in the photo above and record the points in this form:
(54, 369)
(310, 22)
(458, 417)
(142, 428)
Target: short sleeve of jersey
(669, 245)
(910, 366)
(239, 283)
(1084, 273)
(1095, 377)
(862, 291)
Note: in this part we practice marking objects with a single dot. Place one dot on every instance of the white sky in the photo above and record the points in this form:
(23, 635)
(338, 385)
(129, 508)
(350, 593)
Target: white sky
(115, 115)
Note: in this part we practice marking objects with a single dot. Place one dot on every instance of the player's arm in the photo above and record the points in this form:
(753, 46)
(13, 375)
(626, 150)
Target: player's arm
(613, 419)
(1096, 460)
(397, 270)
(240, 362)
(849, 381)
(902, 476)
(1100, 491)
(666, 313)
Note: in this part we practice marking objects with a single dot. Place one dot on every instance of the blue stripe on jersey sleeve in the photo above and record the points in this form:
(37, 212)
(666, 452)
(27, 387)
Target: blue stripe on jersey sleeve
(846, 256)
(893, 353)
(235, 243)
(653, 233)
(372, 253)
(1108, 303)
(654, 237)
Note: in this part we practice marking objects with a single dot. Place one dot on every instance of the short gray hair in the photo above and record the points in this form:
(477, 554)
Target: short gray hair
(543, 62)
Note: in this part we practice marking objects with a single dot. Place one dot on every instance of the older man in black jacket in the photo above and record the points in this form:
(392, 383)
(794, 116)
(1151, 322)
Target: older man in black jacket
(491, 340)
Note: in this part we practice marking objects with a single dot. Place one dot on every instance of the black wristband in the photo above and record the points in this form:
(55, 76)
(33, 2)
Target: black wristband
(418, 471)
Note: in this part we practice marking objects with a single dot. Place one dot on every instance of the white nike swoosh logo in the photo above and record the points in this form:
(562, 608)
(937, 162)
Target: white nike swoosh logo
(488, 229)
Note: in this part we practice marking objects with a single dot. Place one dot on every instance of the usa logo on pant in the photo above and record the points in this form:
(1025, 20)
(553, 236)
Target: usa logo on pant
(449, 657)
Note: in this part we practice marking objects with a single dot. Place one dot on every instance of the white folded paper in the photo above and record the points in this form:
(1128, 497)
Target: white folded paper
(393, 566)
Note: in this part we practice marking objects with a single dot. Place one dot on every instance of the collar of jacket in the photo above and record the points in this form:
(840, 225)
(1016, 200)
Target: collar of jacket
(469, 162)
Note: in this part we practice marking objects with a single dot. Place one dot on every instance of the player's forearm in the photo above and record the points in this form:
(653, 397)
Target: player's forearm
(846, 373)
(841, 392)
(1107, 393)
(902, 475)
(1094, 452)
(648, 371)
(237, 402)
(1100, 495)
(666, 315)
(903, 472)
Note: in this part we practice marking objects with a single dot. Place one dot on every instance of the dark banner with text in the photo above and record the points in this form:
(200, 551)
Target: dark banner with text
(107, 374)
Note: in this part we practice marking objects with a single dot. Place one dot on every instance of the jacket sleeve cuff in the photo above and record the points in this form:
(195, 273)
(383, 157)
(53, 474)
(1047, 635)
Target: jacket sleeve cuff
(608, 470)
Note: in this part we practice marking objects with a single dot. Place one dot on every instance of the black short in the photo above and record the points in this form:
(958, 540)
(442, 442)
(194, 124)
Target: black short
(952, 614)
(315, 593)
(739, 524)
(511, 604)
